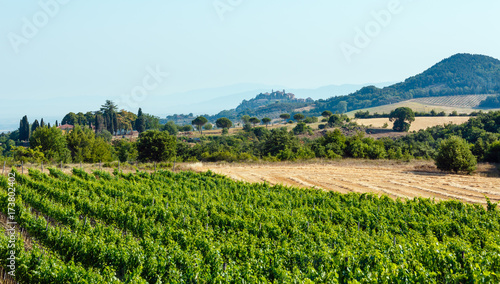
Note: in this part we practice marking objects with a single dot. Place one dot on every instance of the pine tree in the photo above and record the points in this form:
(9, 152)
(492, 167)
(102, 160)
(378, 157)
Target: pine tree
(35, 125)
(109, 107)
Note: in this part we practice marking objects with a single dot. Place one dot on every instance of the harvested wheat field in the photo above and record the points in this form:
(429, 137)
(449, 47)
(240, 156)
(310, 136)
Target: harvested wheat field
(419, 123)
(397, 180)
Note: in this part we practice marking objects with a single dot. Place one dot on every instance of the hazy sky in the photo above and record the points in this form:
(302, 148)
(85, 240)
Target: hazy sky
(113, 49)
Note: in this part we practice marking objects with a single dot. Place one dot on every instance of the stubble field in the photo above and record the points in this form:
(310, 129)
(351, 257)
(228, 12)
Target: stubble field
(397, 180)
(418, 124)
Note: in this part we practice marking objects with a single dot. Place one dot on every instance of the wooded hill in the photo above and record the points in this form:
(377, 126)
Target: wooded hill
(461, 74)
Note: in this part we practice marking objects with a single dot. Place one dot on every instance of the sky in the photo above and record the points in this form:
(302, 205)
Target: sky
(58, 56)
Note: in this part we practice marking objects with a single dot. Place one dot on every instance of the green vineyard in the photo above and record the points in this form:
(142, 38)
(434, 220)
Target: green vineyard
(190, 227)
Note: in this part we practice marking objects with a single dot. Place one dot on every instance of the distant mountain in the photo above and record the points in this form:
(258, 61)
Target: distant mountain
(210, 100)
(213, 100)
(461, 74)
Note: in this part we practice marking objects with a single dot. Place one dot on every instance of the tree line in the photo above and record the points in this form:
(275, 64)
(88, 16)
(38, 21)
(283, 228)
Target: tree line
(342, 138)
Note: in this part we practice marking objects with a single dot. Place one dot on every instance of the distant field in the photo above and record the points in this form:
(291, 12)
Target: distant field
(415, 106)
(453, 101)
(448, 104)
(462, 104)
(419, 123)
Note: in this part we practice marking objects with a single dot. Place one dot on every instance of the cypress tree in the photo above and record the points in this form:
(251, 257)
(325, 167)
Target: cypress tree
(35, 125)
(109, 122)
(57, 124)
(42, 124)
(24, 129)
(115, 123)
(21, 129)
(140, 122)
(97, 124)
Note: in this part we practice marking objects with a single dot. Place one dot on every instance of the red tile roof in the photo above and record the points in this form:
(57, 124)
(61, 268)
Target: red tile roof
(65, 126)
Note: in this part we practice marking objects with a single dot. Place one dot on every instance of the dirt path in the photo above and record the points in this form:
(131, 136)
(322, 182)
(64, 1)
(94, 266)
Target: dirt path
(389, 178)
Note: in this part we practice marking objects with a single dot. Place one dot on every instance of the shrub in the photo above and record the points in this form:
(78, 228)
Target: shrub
(493, 154)
(27, 154)
(208, 126)
(260, 132)
(106, 135)
(171, 128)
(279, 140)
(156, 146)
(52, 144)
(247, 127)
(311, 119)
(125, 150)
(301, 128)
(454, 154)
(376, 151)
